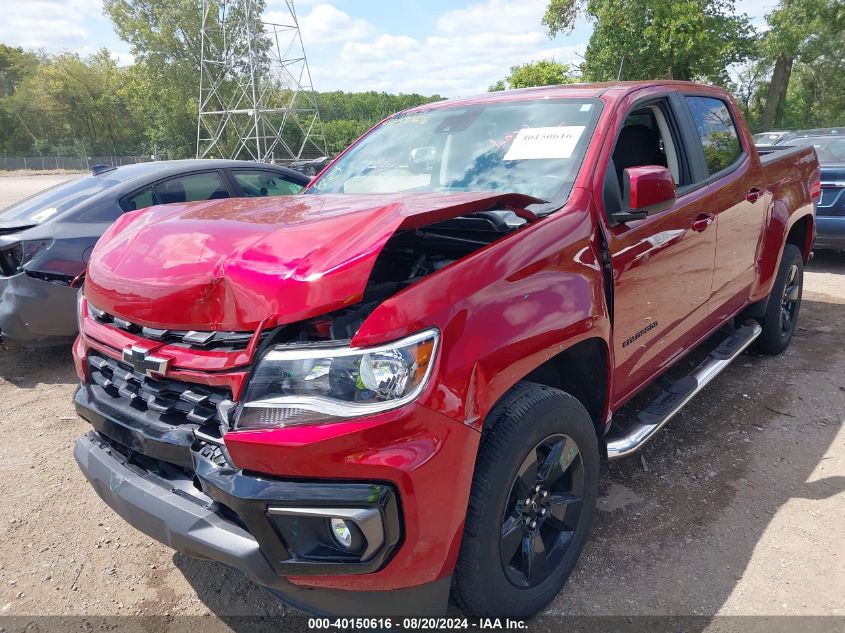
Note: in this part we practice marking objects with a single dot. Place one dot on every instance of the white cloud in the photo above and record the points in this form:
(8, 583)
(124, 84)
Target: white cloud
(326, 23)
(77, 26)
(471, 48)
(47, 24)
(494, 16)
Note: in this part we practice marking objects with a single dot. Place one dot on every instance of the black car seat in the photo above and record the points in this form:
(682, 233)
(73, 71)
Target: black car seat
(637, 145)
(171, 191)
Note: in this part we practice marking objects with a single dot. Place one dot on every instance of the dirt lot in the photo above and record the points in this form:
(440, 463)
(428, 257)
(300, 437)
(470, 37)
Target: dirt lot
(736, 508)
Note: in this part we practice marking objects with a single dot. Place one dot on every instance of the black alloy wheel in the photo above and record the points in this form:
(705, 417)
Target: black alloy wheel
(531, 505)
(543, 511)
(780, 319)
(790, 299)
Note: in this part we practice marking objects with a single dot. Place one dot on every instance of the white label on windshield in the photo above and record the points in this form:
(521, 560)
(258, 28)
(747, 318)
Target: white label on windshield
(545, 142)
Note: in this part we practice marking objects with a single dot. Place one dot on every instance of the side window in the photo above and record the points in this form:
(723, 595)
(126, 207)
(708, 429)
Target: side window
(139, 200)
(647, 137)
(205, 186)
(717, 131)
(643, 141)
(261, 183)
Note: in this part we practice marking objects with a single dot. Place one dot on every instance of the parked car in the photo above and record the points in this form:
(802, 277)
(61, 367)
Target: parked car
(787, 138)
(46, 240)
(311, 167)
(402, 382)
(765, 139)
(830, 210)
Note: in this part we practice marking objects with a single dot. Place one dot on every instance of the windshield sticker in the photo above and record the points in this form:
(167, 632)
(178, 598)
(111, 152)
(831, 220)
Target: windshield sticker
(545, 142)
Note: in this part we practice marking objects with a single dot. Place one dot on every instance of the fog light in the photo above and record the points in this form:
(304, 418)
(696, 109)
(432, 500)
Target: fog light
(341, 532)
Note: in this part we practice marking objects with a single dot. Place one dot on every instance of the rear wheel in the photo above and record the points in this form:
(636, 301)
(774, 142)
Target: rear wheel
(781, 316)
(532, 503)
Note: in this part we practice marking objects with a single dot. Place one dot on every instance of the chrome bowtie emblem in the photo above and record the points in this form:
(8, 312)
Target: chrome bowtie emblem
(147, 365)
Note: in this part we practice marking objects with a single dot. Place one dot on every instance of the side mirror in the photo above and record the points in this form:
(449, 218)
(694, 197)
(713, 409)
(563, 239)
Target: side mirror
(646, 189)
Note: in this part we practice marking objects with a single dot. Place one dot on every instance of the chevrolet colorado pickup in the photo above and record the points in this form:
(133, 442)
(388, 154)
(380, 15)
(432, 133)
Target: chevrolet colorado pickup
(400, 384)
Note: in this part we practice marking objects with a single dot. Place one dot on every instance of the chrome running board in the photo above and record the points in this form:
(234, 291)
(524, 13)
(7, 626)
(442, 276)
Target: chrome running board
(673, 399)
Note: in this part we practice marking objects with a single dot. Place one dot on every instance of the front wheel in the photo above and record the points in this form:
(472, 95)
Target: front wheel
(781, 316)
(532, 503)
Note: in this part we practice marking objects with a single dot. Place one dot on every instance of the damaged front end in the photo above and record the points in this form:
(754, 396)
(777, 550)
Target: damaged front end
(179, 411)
(36, 298)
(285, 371)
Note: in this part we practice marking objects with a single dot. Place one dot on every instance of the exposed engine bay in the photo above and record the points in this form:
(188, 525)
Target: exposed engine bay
(407, 258)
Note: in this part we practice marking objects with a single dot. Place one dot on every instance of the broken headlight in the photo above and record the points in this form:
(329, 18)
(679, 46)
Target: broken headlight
(14, 258)
(318, 385)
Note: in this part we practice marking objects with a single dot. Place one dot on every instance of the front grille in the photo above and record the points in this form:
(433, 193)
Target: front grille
(168, 401)
(216, 340)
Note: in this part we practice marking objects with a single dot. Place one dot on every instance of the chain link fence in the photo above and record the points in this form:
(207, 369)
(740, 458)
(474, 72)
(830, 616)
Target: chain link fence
(65, 163)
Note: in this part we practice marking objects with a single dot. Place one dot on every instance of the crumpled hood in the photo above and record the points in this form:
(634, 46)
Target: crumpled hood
(233, 264)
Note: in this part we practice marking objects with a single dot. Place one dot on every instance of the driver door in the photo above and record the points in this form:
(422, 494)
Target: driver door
(663, 264)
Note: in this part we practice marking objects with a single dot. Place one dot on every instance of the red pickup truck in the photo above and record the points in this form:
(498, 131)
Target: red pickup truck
(400, 385)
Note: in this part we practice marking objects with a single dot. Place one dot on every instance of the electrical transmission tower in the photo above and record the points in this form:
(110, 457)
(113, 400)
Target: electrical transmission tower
(256, 98)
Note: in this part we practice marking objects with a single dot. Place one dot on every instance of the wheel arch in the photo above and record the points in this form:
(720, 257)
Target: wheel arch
(781, 229)
(801, 234)
(583, 371)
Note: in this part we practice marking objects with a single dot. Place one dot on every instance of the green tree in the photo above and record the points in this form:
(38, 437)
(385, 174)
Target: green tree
(74, 104)
(545, 72)
(656, 39)
(16, 65)
(807, 36)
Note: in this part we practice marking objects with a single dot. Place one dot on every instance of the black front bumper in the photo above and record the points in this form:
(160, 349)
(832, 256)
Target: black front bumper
(165, 504)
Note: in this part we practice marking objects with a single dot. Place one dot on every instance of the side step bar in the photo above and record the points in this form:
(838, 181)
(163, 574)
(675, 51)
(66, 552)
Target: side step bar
(671, 400)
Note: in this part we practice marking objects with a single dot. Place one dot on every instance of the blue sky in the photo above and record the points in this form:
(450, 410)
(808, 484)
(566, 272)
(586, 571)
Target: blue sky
(449, 47)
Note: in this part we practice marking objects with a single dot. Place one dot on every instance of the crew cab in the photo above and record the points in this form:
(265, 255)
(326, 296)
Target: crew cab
(400, 384)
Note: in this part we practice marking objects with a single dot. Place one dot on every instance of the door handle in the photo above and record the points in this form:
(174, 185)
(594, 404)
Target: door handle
(702, 222)
(753, 195)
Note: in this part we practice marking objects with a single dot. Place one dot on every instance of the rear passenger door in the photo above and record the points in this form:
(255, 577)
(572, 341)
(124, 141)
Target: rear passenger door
(206, 185)
(733, 190)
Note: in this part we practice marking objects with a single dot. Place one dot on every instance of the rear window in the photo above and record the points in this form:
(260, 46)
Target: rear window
(717, 131)
(47, 204)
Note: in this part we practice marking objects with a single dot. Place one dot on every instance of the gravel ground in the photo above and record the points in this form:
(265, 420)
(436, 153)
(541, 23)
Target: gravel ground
(736, 508)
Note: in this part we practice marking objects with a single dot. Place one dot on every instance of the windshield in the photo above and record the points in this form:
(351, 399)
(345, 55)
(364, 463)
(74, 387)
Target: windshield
(831, 151)
(46, 204)
(529, 147)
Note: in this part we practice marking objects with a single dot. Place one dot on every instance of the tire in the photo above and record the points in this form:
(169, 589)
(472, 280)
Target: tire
(784, 304)
(531, 421)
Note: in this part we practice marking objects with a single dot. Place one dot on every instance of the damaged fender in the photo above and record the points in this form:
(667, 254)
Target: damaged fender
(503, 311)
